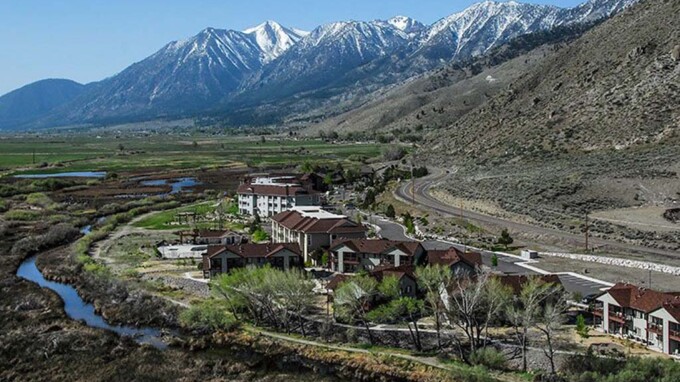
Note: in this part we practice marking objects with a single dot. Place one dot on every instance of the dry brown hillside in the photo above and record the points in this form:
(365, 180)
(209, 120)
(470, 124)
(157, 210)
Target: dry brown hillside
(593, 128)
(616, 86)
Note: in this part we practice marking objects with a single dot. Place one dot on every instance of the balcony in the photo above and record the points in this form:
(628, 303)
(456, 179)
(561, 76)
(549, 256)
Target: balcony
(655, 328)
(618, 317)
(674, 335)
(598, 312)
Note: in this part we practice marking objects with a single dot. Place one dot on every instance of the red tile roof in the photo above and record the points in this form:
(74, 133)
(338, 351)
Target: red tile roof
(451, 256)
(379, 246)
(295, 221)
(254, 250)
(638, 298)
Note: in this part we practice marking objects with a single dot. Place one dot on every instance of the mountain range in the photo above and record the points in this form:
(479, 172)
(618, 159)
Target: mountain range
(274, 74)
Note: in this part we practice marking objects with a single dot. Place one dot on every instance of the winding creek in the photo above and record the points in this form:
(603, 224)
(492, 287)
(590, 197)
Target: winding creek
(77, 309)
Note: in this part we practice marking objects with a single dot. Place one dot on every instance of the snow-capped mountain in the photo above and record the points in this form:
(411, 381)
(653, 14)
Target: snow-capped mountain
(274, 39)
(325, 55)
(483, 26)
(276, 65)
(406, 24)
(186, 75)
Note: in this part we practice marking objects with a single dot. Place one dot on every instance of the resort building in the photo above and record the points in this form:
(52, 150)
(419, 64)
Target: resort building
(313, 229)
(270, 195)
(353, 255)
(640, 314)
(223, 258)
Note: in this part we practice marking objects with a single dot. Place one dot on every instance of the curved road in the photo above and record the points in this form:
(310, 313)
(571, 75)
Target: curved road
(423, 198)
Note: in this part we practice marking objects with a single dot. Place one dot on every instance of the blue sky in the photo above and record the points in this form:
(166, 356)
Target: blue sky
(88, 40)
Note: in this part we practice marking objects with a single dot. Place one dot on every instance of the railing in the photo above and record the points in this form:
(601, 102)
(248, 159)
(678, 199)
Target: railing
(655, 328)
(674, 333)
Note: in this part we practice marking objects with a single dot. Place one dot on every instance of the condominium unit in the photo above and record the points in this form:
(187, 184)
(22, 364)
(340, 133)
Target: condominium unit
(270, 195)
(313, 228)
(353, 255)
(223, 258)
(643, 315)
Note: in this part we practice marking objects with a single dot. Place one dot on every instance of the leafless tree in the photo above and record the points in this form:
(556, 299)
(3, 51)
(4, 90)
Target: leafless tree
(432, 280)
(551, 319)
(473, 303)
(525, 310)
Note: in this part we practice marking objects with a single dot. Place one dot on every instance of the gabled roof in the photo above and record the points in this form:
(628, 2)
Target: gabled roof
(379, 246)
(516, 282)
(399, 272)
(315, 220)
(673, 308)
(253, 250)
(638, 298)
(451, 256)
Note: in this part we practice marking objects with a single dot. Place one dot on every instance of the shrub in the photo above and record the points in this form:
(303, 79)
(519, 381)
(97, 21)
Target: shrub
(22, 215)
(209, 316)
(260, 235)
(489, 357)
(394, 153)
(38, 199)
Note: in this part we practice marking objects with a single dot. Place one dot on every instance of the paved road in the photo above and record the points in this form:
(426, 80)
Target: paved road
(506, 264)
(423, 198)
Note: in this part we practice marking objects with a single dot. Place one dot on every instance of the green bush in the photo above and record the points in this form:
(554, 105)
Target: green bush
(22, 215)
(208, 315)
(38, 199)
(489, 357)
(260, 235)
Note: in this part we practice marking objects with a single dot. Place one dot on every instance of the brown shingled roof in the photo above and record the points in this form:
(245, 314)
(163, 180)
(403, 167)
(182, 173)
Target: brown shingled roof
(642, 299)
(388, 270)
(294, 221)
(451, 256)
(516, 282)
(254, 250)
(378, 246)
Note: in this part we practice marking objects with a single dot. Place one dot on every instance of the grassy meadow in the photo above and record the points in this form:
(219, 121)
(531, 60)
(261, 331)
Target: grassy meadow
(87, 152)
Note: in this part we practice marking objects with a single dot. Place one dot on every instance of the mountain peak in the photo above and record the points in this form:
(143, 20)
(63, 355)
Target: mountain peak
(273, 38)
(406, 24)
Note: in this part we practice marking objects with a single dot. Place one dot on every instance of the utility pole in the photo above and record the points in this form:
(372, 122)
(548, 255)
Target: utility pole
(462, 225)
(587, 228)
(413, 186)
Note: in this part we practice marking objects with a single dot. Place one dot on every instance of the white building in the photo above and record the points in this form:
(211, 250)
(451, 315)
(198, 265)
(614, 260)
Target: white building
(313, 228)
(272, 195)
(643, 315)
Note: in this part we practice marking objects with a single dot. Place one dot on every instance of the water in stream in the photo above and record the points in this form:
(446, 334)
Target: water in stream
(177, 185)
(78, 309)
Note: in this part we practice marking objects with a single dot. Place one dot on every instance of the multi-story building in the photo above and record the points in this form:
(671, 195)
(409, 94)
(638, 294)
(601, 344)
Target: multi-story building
(224, 258)
(313, 228)
(353, 255)
(640, 314)
(270, 195)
